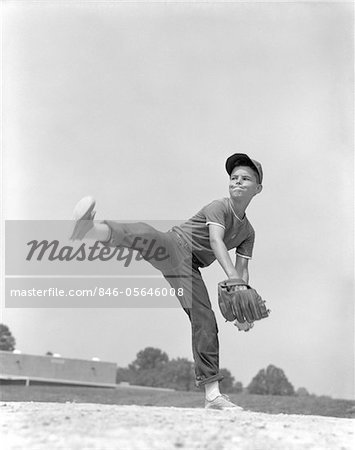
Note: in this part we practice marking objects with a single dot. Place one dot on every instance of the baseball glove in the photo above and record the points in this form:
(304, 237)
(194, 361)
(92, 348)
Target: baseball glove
(238, 301)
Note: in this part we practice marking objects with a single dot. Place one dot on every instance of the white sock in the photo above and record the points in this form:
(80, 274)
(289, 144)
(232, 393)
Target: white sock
(212, 390)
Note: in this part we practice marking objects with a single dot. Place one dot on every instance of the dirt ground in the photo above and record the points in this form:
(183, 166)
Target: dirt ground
(79, 426)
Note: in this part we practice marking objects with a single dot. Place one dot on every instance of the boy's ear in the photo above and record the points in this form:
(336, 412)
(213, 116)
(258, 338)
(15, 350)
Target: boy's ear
(259, 188)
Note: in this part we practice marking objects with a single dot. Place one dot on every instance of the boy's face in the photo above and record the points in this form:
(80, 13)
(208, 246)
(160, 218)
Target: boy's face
(244, 183)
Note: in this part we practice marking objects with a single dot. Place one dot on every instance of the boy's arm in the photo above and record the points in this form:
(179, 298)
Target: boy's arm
(220, 250)
(241, 265)
(240, 270)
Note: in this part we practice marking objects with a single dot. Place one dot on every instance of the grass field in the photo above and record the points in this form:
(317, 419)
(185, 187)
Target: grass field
(322, 406)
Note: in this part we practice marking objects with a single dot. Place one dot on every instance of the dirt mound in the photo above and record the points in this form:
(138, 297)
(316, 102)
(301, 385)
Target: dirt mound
(69, 426)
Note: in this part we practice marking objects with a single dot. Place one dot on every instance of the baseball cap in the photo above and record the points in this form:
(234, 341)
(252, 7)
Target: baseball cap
(240, 159)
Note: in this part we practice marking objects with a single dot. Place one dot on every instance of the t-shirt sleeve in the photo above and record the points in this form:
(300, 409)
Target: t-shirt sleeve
(215, 213)
(245, 249)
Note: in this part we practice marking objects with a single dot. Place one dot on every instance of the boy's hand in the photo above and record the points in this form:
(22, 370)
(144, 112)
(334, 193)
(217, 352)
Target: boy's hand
(246, 326)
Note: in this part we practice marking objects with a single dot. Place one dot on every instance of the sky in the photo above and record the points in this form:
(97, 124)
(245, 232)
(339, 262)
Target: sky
(139, 105)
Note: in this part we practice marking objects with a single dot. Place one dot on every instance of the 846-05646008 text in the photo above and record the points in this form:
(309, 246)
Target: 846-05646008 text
(100, 292)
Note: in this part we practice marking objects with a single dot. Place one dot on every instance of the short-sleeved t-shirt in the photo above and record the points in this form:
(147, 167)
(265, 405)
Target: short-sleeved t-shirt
(238, 234)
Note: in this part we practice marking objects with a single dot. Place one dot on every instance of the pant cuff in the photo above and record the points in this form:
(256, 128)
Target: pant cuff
(203, 381)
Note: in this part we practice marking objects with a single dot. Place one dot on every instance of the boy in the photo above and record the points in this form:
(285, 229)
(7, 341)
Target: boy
(218, 227)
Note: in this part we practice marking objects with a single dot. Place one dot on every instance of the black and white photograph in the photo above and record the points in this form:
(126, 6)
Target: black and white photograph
(177, 233)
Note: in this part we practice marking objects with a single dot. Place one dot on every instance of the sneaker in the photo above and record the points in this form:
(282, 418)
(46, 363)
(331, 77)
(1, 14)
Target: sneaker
(222, 402)
(83, 215)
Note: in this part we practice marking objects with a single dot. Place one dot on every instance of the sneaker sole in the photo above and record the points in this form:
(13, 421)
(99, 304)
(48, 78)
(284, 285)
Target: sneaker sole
(233, 408)
(82, 211)
(84, 208)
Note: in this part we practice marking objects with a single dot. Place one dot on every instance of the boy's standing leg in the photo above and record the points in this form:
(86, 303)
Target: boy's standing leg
(205, 344)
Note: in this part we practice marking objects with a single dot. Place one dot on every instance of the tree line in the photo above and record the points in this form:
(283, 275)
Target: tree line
(153, 367)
